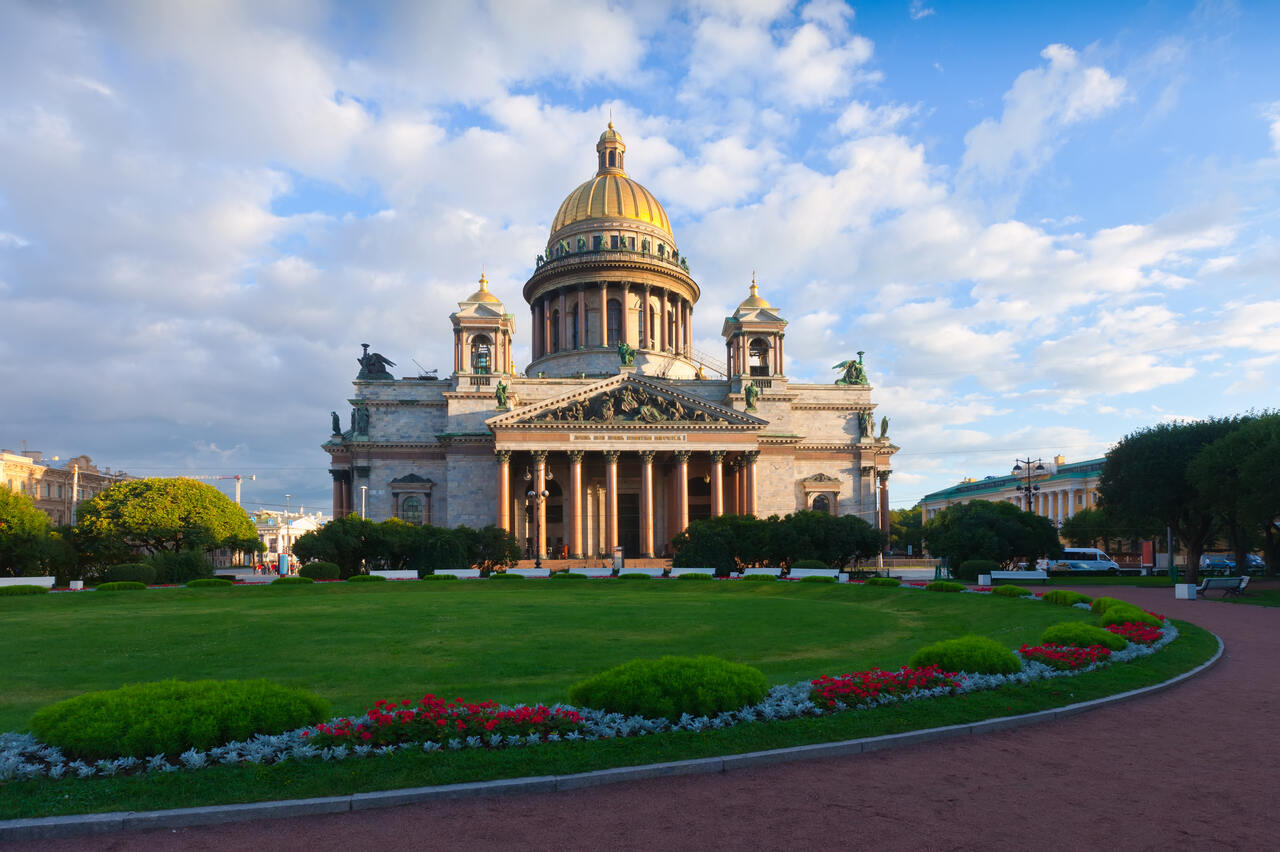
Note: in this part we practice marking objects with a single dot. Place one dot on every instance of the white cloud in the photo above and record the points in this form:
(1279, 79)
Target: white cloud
(860, 119)
(1272, 114)
(918, 10)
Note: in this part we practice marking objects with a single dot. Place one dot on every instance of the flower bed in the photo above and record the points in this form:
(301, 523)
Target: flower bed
(1065, 657)
(1141, 634)
(391, 723)
(858, 688)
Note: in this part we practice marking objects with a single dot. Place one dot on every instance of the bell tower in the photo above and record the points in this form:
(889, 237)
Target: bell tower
(753, 338)
(482, 332)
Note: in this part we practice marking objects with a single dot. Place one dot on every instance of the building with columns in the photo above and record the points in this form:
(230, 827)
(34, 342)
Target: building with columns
(630, 431)
(1058, 489)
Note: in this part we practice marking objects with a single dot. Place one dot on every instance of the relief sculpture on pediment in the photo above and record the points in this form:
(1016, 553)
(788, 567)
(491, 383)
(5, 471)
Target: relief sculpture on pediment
(627, 405)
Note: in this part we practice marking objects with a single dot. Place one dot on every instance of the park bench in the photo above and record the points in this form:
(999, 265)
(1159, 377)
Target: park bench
(47, 582)
(1228, 585)
(1042, 576)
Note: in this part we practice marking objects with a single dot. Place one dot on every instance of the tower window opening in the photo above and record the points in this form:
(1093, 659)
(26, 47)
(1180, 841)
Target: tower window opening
(573, 327)
(631, 242)
(597, 242)
(759, 351)
(613, 242)
(613, 159)
(822, 503)
(481, 354)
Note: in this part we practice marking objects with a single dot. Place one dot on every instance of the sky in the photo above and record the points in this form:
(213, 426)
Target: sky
(1047, 225)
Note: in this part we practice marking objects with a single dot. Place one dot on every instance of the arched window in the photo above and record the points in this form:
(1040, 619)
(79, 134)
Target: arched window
(759, 350)
(671, 329)
(555, 331)
(613, 159)
(481, 354)
(615, 321)
(411, 510)
(573, 327)
(822, 503)
(652, 327)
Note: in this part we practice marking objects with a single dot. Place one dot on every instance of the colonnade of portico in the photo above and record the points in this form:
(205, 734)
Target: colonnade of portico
(591, 485)
(1058, 504)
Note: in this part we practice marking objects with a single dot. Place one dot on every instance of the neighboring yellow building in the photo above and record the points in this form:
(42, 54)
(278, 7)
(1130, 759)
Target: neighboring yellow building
(1058, 489)
(56, 486)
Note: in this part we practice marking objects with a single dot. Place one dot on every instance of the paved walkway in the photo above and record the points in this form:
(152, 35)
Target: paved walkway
(1194, 767)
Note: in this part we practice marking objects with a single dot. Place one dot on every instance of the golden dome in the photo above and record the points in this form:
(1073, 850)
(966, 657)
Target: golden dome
(754, 300)
(611, 194)
(483, 294)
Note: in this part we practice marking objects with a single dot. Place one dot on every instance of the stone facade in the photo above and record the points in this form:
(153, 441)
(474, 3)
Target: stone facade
(628, 430)
(56, 486)
(1058, 489)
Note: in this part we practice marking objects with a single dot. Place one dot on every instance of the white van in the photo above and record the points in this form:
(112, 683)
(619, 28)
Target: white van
(1085, 560)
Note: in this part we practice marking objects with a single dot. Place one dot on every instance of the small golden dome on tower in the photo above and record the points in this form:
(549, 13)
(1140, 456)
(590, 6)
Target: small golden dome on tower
(483, 294)
(754, 300)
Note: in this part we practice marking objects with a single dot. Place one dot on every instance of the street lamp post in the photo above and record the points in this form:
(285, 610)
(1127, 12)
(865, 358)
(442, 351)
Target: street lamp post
(534, 499)
(1029, 489)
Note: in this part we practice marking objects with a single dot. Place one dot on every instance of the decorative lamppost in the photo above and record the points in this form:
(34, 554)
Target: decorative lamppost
(534, 499)
(1029, 489)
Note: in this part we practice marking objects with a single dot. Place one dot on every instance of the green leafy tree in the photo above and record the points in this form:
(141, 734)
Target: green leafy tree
(1237, 475)
(347, 542)
(25, 545)
(906, 529)
(154, 515)
(733, 542)
(1086, 528)
(1145, 484)
(489, 548)
(999, 532)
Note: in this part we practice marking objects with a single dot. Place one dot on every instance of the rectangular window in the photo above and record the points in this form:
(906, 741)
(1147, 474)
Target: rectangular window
(59, 492)
(597, 243)
(613, 241)
(47, 489)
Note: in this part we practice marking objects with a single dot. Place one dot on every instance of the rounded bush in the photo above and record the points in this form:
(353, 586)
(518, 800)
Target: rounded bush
(134, 572)
(172, 716)
(320, 571)
(14, 591)
(1101, 605)
(945, 586)
(121, 586)
(695, 577)
(971, 568)
(1065, 597)
(810, 565)
(883, 581)
(1010, 591)
(568, 575)
(971, 654)
(209, 583)
(505, 576)
(758, 578)
(633, 577)
(366, 578)
(292, 581)
(817, 579)
(1081, 635)
(669, 687)
(438, 577)
(1128, 613)
(180, 566)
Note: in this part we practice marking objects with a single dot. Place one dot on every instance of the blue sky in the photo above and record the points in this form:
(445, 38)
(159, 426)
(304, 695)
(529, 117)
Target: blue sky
(1047, 224)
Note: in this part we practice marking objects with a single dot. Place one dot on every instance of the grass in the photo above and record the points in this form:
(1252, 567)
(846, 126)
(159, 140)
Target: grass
(1143, 582)
(509, 642)
(223, 785)
(1260, 597)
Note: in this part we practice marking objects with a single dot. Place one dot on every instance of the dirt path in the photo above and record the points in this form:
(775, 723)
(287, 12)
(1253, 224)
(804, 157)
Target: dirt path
(1194, 767)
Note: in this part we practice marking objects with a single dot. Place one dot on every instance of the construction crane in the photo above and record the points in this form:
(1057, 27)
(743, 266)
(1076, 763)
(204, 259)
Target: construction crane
(251, 477)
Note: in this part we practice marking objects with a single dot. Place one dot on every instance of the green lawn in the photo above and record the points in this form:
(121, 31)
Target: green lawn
(1146, 582)
(1255, 596)
(509, 642)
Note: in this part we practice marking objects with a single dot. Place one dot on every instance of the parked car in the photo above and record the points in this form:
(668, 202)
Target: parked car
(1084, 560)
(1225, 563)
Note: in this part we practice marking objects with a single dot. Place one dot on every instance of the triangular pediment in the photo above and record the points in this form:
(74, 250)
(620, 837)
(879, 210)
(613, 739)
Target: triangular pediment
(626, 401)
(820, 478)
(480, 310)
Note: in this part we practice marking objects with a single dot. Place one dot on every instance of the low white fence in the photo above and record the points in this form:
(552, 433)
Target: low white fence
(47, 582)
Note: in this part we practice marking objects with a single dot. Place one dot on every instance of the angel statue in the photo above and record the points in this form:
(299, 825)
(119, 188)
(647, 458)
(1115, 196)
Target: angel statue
(884, 428)
(626, 353)
(337, 423)
(854, 374)
(752, 394)
(501, 393)
(373, 365)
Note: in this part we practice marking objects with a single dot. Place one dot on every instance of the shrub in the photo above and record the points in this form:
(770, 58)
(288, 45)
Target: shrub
(230, 578)
(768, 578)
(1081, 635)
(209, 583)
(971, 654)
(810, 565)
(695, 577)
(121, 586)
(172, 716)
(320, 571)
(817, 579)
(9, 591)
(633, 576)
(672, 686)
(1128, 614)
(1101, 605)
(134, 572)
(971, 568)
(180, 566)
(292, 581)
(945, 586)
(438, 577)
(568, 575)
(366, 578)
(883, 581)
(505, 576)
(1065, 597)
(1010, 591)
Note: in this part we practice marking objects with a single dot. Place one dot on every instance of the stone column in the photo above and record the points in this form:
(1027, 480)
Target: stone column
(883, 476)
(504, 489)
(604, 313)
(688, 328)
(540, 505)
(337, 493)
(646, 503)
(751, 481)
(592, 540)
(682, 490)
(611, 500)
(546, 325)
(575, 498)
(582, 318)
(777, 370)
(717, 483)
(662, 321)
(562, 327)
(646, 333)
(624, 333)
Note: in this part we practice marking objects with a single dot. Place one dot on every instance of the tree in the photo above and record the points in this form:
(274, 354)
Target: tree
(1086, 528)
(732, 542)
(1237, 476)
(347, 542)
(489, 547)
(1145, 484)
(906, 529)
(999, 532)
(154, 515)
(25, 545)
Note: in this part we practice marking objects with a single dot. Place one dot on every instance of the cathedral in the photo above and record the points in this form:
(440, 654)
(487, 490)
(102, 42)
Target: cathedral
(618, 432)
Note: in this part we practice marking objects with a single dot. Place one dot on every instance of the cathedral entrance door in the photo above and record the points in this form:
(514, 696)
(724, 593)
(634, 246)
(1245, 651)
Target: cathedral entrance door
(629, 524)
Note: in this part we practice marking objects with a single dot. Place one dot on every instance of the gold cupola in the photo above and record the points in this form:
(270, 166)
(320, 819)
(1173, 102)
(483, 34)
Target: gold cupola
(753, 301)
(483, 294)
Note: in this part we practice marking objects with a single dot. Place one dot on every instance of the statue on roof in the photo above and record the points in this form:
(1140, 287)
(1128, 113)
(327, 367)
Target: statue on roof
(868, 424)
(501, 393)
(337, 423)
(373, 365)
(627, 353)
(884, 428)
(854, 373)
(752, 393)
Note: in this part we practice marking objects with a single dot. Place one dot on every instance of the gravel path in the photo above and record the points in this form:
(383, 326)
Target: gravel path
(1194, 767)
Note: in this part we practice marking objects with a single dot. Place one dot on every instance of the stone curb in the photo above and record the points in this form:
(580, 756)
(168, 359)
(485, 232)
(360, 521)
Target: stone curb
(46, 828)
